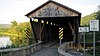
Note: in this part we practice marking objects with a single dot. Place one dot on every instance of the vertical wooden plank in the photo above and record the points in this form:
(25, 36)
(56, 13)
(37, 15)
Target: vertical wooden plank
(48, 30)
(78, 38)
(39, 25)
(74, 36)
(78, 30)
(33, 30)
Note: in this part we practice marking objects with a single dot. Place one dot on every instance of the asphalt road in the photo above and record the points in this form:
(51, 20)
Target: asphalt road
(49, 51)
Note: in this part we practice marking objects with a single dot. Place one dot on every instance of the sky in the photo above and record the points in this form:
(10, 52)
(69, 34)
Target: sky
(11, 10)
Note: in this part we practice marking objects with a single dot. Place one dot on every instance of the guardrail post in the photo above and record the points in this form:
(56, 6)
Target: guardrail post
(1, 53)
(35, 47)
(68, 45)
(24, 52)
(27, 52)
(10, 53)
(17, 53)
(31, 50)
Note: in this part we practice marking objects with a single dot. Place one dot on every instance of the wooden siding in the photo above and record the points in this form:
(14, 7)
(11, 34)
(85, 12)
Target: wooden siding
(52, 10)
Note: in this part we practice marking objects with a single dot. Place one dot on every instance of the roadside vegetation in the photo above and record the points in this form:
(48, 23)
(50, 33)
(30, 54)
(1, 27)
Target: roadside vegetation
(17, 34)
(89, 36)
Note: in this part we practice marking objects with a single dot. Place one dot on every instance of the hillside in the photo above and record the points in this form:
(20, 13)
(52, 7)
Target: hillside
(5, 25)
(86, 19)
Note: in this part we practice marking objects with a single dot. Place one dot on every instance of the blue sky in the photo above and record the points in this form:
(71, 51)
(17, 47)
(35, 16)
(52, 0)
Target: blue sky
(11, 10)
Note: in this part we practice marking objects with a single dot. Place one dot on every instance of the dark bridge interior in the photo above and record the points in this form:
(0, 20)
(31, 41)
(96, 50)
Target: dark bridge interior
(48, 30)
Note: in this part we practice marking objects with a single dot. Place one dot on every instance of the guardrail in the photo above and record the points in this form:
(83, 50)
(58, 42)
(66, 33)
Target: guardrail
(65, 47)
(23, 51)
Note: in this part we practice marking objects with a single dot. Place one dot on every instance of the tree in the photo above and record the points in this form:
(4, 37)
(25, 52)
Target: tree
(86, 19)
(98, 33)
(98, 14)
(14, 23)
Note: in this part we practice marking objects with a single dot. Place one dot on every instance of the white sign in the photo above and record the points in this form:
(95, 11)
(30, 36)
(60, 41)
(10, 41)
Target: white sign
(83, 29)
(86, 29)
(94, 25)
(80, 29)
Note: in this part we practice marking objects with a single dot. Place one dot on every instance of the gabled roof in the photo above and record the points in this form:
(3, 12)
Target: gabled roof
(54, 3)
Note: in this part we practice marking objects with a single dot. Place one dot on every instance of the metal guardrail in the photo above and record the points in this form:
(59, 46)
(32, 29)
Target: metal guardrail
(23, 51)
(65, 47)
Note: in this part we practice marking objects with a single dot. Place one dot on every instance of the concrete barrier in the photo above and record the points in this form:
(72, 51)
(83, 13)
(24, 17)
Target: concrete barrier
(23, 51)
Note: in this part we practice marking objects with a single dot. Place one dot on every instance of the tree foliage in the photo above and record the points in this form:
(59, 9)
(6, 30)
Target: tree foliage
(86, 20)
(96, 16)
(17, 34)
(14, 23)
(19, 31)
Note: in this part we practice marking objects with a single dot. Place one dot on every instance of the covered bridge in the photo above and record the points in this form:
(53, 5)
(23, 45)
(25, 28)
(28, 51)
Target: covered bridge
(51, 16)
